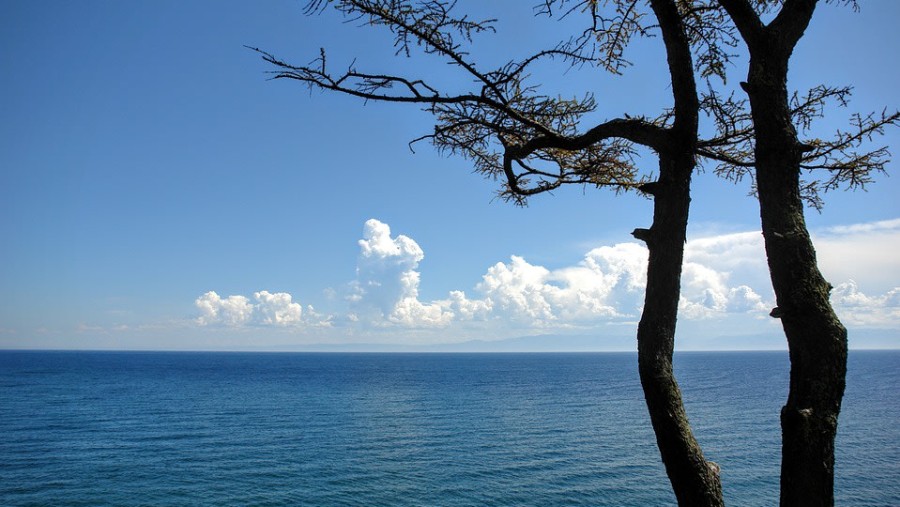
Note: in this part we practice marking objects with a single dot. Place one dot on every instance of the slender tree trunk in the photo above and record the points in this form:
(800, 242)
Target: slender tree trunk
(694, 480)
(816, 338)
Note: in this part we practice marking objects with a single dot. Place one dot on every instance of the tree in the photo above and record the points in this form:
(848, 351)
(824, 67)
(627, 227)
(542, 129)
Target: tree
(535, 143)
(816, 338)
(532, 141)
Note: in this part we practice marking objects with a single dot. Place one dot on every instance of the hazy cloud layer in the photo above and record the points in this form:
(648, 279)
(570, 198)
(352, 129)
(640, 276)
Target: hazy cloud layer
(724, 277)
(865, 253)
(858, 309)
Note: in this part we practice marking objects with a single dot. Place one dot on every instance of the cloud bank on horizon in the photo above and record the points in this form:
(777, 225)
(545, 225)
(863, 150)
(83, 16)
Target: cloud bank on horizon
(725, 280)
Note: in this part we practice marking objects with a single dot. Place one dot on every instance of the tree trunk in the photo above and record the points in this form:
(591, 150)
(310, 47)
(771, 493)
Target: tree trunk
(694, 480)
(816, 338)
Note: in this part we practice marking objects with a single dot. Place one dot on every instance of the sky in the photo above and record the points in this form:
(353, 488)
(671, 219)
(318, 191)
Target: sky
(158, 191)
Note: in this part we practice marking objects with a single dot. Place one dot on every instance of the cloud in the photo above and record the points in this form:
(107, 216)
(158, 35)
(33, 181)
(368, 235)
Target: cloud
(858, 309)
(607, 283)
(725, 279)
(519, 289)
(865, 253)
(387, 282)
(270, 309)
(853, 257)
(739, 256)
(725, 274)
(879, 226)
(386, 268)
(277, 308)
(230, 311)
(468, 309)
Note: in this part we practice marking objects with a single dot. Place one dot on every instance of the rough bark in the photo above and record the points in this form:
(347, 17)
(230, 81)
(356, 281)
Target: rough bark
(694, 480)
(816, 338)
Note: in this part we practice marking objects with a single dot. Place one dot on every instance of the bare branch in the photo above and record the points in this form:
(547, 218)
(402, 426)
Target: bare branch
(841, 157)
(509, 130)
(841, 162)
(535, 142)
(712, 36)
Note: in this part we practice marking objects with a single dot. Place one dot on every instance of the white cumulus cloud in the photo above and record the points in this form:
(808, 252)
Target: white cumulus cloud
(231, 311)
(725, 274)
(277, 308)
(725, 279)
(387, 280)
(606, 284)
(269, 309)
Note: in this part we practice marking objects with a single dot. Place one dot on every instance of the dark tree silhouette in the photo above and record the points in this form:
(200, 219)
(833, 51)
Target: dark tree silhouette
(816, 338)
(534, 142)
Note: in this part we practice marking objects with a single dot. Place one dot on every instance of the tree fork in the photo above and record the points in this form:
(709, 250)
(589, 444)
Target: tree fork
(817, 341)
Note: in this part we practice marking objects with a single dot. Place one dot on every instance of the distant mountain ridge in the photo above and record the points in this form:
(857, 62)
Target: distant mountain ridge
(599, 342)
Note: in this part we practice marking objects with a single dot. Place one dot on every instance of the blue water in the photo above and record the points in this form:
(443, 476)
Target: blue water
(117, 428)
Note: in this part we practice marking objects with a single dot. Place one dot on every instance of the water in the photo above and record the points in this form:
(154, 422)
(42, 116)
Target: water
(117, 428)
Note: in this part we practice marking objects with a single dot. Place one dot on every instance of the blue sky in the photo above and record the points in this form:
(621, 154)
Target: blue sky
(157, 192)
